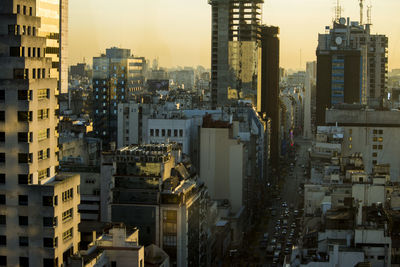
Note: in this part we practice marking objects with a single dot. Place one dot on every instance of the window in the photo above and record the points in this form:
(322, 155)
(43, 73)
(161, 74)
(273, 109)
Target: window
(23, 179)
(374, 147)
(47, 221)
(24, 158)
(47, 201)
(48, 242)
(18, 9)
(67, 215)
(169, 133)
(2, 157)
(30, 11)
(2, 178)
(157, 132)
(163, 132)
(2, 115)
(374, 162)
(380, 139)
(3, 260)
(43, 94)
(375, 131)
(24, 115)
(380, 147)
(23, 220)
(24, 10)
(67, 195)
(175, 133)
(55, 200)
(3, 240)
(23, 241)
(380, 131)
(22, 137)
(22, 94)
(2, 199)
(42, 174)
(23, 262)
(42, 134)
(2, 95)
(113, 264)
(23, 200)
(375, 139)
(3, 219)
(2, 137)
(374, 154)
(181, 133)
(151, 132)
(43, 114)
(67, 234)
(49, 263)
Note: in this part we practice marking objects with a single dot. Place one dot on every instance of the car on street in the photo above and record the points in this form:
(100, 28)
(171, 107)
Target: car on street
(273, 241)
(279, 246)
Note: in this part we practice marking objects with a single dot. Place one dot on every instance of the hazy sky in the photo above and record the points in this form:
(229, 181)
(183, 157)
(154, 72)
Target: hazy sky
(178, 32)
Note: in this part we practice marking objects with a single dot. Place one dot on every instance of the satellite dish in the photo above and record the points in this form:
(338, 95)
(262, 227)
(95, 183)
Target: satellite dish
(342, 21)
(338, 40)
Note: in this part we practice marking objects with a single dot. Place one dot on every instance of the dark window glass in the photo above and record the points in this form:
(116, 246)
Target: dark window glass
(2, 95)
(3, 240)
(23, 220)
(23, 241)
(3, 260)
(49, 263)
(2, 157)
(2, 178)
(22, 94)
(23, 200)
(2, 137)
(48, 221)
(23, 262)
(2, 115)
(2, 199)
(47, 242)
(47, 201)
(3, 219)
(22, 137)
(23, 179)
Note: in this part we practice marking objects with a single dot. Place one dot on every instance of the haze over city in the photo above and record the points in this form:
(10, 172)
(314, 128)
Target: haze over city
(178, 32)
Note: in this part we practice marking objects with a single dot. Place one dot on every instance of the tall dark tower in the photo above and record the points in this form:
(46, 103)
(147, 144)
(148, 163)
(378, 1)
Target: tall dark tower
(268, 86)
(234, 48)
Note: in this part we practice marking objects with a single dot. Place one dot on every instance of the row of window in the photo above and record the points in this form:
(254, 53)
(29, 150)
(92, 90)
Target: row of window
(20, 74)
(16, 30)
(166, 132)
(28, 94)
(24, 137)
(26, 52)
(24, 116)
(24, 262)
(48, 242)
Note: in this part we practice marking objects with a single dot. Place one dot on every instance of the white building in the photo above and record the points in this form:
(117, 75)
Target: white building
(114, 248)
(370, 132)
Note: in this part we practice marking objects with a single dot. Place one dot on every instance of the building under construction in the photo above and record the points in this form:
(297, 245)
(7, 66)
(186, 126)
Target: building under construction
(235, 31)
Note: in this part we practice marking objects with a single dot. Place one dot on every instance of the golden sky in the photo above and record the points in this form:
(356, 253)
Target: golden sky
(178, 32)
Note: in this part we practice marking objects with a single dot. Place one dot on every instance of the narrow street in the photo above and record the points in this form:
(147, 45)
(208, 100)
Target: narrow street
(279, 230)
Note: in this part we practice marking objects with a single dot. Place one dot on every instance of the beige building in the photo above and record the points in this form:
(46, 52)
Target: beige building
(38, 207)
(54, 26)
(222, 165)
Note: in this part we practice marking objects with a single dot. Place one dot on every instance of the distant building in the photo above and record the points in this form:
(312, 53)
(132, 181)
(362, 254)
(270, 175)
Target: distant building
(116, 75)
(78, 69)
(372, 133)
(234, 49)
(309, 100)
(268, 87)
(351, 67)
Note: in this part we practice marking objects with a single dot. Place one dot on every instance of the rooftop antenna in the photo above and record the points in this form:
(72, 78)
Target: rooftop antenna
(338, 11)
(369, 20)
(361, 11)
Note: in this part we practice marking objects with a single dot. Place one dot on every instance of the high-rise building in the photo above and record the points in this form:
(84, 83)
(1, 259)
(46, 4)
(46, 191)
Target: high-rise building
(268, 86)
(38, 208)
(116, 75)
(351, 66)
(234, 49)
(54, 26)
(309, 99)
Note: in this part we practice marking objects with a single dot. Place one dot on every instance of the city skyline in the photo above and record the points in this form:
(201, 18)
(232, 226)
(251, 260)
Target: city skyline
(182, 36)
